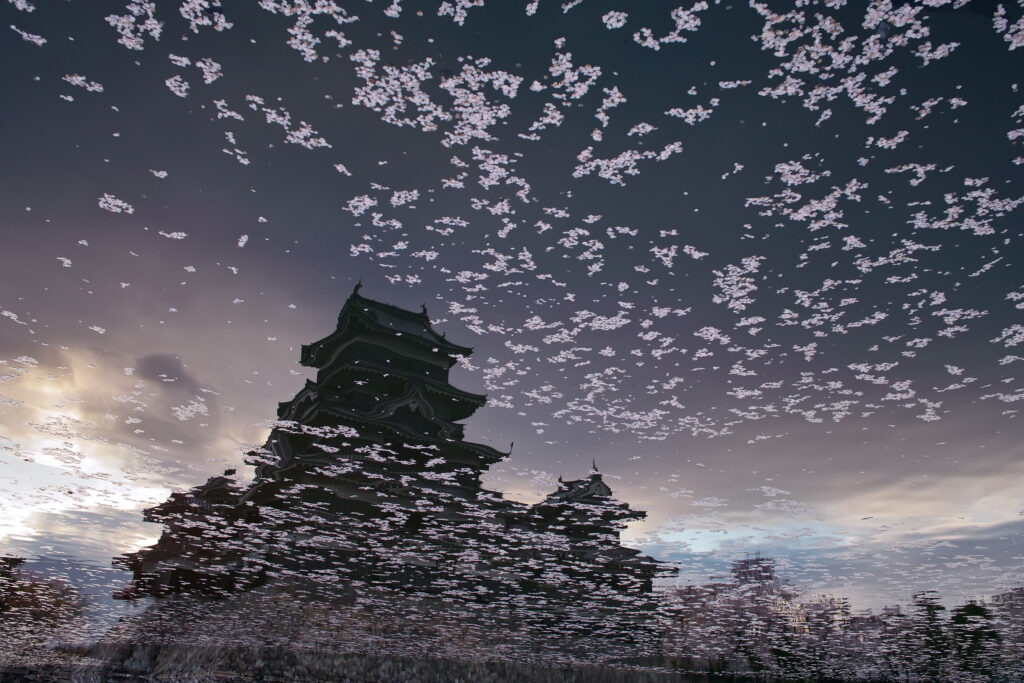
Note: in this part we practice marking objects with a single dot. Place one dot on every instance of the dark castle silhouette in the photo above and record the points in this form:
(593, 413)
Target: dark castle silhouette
(366, 483)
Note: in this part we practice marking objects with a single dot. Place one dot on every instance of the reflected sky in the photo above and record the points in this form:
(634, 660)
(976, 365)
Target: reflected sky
(760, 263)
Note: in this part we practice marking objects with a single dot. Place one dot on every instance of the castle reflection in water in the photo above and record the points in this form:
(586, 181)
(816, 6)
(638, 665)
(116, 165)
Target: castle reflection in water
(366, 484)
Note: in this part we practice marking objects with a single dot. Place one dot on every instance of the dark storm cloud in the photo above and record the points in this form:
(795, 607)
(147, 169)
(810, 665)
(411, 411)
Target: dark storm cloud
(167, 369)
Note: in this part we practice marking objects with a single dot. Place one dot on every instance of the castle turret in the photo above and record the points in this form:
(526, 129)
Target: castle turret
(585, 509)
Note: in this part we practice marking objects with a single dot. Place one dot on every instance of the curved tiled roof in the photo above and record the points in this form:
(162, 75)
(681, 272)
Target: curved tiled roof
(386, 318)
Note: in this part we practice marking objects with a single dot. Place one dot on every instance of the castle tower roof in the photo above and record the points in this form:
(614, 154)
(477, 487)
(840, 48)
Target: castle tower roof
(360, 314)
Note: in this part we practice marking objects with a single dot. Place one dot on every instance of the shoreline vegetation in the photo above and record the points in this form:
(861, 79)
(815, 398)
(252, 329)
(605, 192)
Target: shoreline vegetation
(298, 631)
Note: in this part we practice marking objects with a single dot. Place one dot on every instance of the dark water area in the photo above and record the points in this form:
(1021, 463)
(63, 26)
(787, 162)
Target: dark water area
(650, 341)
